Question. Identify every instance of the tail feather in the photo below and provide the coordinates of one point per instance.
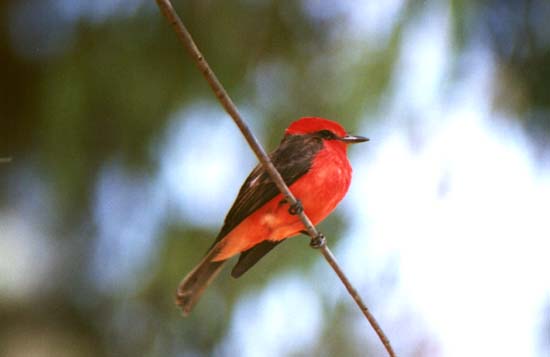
(193, 285)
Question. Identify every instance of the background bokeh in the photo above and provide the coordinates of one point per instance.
(117, 166)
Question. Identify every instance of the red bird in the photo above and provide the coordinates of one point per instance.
(312, 160)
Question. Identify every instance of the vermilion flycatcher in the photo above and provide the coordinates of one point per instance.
(312, 161)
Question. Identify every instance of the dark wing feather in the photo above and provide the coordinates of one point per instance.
(251, 257)
(293, 158)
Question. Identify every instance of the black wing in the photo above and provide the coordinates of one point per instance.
(250, 257)
(293, 158)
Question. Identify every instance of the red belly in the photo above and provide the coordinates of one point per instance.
(320, 191)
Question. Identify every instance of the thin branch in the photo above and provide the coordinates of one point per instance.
(218, 89)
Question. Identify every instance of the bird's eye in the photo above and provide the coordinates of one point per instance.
(327, 134)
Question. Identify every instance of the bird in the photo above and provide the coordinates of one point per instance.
(312, 160)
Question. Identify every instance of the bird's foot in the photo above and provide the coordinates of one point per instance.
(318, 242)
(296, 208)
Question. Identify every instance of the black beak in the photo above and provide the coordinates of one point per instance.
(353, 139)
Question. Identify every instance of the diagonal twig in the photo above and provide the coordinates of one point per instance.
(185, 38)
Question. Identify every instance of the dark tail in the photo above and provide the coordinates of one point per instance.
(193, 285)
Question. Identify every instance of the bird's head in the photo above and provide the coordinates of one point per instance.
(327, 130)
